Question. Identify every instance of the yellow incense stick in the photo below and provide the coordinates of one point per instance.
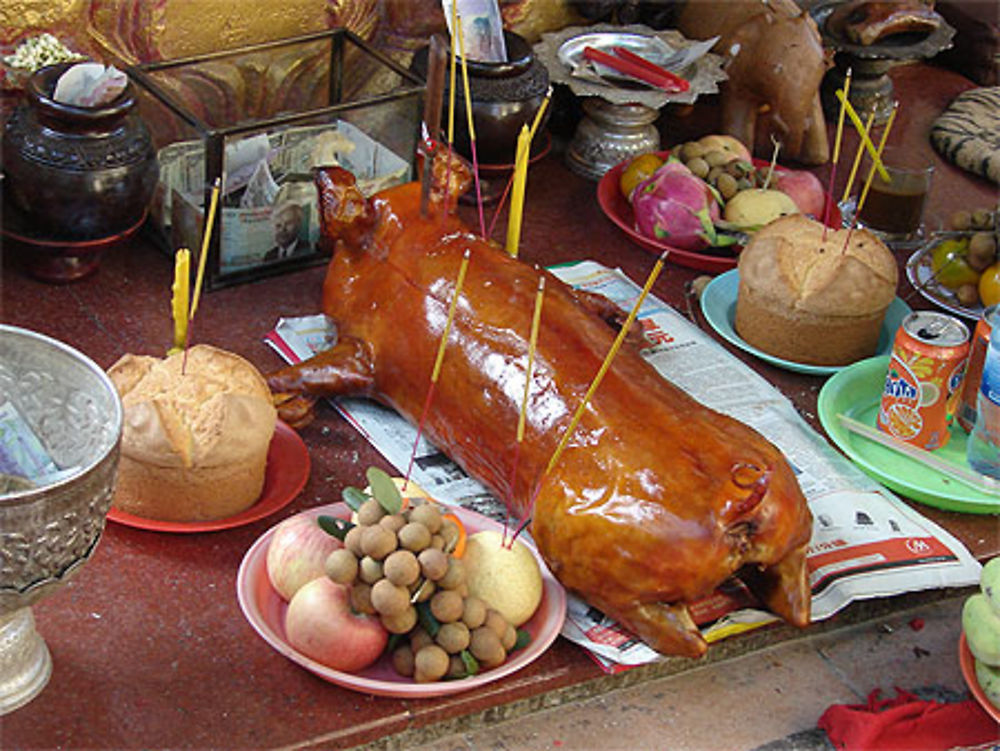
(857, 158)
(454, 60)
(180, 302)
(541, 112)
(451, 316)
(209, 221)
(465, 85)
(865, 140)
(532, 343)
(517, 191)
(607, 361)
(840, 116)
(871, 172)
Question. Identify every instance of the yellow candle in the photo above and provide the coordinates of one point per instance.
(532, 344)
(607, 361)
(840, 116)
(871, 172)
(517, 191)
(451, 317)
(541, 111)
(209, 220)
(857, 158)
(865, 140)
(181, 297)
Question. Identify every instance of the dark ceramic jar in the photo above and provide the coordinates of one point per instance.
(505, 96)
(78, 173)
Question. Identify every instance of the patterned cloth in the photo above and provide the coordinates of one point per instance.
(967, 133)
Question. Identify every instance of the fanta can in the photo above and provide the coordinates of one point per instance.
(924, 380)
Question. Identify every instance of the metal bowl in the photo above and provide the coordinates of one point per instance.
(49, 530)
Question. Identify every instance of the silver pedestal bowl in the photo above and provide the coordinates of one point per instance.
(50, 523)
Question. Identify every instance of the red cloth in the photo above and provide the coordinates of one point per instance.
(905, 723)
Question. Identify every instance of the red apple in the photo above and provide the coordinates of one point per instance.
(320, 624)
(804, 188)
(296, 554)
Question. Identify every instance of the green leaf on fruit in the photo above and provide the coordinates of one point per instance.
(384, 490)
(333, 526)
(353, 497)
(470, 662)
(523, 640)
(426, 618)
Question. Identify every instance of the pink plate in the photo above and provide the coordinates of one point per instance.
(969, 673)
(265, 610)
(619, 210)
(285, 476)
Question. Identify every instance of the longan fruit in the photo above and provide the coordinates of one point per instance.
(401, 568)
(430, 664)
(456, 667)
(453, 637)
(393, 522)
(429, 515)
(717, 158)
(727, 185)
(450, 533)
(415, 536)
(419, 638)
(714, 173)
(402, 660)
(961, 220)
(437, 542)
(370, 570)
(699, 167)
(495, 622)
(378, 542)
(968, 295)
(473, 612)
(509, 638)
(982, 250)
(433, 563)
(389, 599)
(341, 566)
(370, 512)
(691, 150)
(982, 219)
(361, 598)
(485, 646)
(352, 540)
(401, 623)
(454, 577)
(446, 605)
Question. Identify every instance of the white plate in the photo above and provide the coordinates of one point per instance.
(652, 48)
(265, 610)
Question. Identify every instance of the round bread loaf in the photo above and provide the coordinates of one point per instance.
(196, 435)
(810, 299)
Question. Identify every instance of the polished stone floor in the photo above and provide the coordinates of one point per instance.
(769, 700)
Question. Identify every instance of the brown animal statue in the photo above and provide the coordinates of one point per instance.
(776, 64)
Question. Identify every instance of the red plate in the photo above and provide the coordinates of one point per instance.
(619, 210)
(265, 610)
(969, 673)
(285, 476)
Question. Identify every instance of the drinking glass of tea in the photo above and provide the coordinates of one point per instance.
(894, 209)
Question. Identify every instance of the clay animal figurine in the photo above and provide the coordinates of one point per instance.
(656, 500)
(776, 65)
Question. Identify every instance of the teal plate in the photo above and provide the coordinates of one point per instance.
(718, 304)
(856, 391)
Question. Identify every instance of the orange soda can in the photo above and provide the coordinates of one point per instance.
(966, 413)
(924, 380)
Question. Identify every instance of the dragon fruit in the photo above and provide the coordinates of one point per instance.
(677, 207)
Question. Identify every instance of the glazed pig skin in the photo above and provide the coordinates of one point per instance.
(655, 501)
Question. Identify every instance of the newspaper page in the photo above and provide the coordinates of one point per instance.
(866, 542)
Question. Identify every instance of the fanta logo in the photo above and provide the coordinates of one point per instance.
(898, 388)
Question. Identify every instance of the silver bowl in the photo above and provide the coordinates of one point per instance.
(51, 524)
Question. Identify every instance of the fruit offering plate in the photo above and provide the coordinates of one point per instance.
(967, 662)
(920, 272)
(617, 208)
(718, 305)
(265, 610)
(856, 391)
(284, 477)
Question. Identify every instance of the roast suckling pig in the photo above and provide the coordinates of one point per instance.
(655, 501)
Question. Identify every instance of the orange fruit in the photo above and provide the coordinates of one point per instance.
(989, 285)
(636, 171)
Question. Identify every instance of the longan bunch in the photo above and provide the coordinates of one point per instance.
(400, 567)
(722, 170)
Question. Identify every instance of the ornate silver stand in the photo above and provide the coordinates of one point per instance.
(25, 663)
(610, 134)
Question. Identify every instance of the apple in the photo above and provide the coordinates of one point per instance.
(296, 554)
(729, 144)
(804, 188)
(321, 625)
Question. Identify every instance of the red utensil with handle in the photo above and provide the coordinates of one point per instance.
(638, 67)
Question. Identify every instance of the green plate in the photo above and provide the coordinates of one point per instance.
(856, 391)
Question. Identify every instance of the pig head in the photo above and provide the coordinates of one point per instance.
(776, 63)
